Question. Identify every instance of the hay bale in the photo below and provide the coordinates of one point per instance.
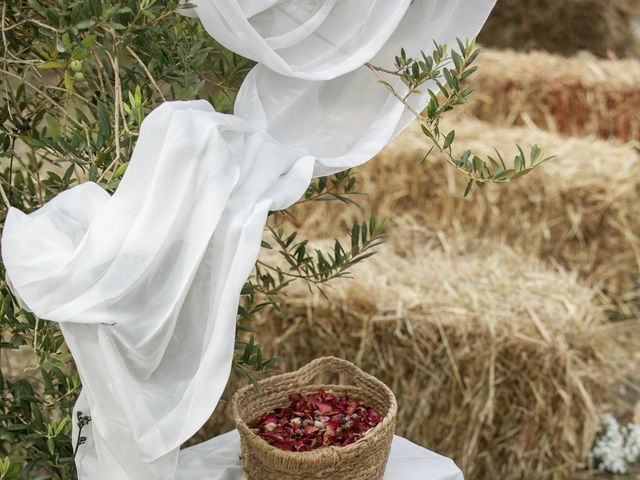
(580, 209)
(565, 26)
(496, 359)
(577, 96)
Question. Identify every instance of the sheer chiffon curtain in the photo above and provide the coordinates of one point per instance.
(145, 283)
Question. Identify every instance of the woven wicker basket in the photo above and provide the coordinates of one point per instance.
(363, 460)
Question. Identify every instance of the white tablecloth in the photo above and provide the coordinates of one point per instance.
(219, 459)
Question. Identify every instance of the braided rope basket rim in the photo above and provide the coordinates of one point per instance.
(325, 458)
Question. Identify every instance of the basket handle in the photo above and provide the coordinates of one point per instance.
(306, 374)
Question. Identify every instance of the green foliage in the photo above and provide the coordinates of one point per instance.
(450, 71)
(8, 470)
(317, 267)
(77, 79)
(340, 187)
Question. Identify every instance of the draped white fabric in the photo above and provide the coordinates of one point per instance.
(145, 283)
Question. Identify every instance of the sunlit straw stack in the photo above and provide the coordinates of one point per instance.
(496, 359)
(579, 209)
(576, 95)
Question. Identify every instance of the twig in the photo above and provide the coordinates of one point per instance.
(144, 67)
(98, 70)
(36, 330)
(4, 55)
(4, 196)
(376, 71)
(116, 111)
(13, 154)
(83, 421)
(44, 25)
(38, 90)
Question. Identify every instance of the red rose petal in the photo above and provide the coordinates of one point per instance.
(318, 419)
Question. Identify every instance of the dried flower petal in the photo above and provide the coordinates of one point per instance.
(319, 419)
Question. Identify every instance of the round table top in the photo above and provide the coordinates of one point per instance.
(219, 459)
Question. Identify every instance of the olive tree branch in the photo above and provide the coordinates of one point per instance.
(450, 70)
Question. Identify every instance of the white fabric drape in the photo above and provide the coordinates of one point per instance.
(145, 283)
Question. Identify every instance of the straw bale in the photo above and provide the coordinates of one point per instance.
(579, 209)
(496, 359)
(565, 26)
(578, 95)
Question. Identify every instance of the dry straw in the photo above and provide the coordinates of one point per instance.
(579, 210)
(565, 26)
(496, 359)
(363, 460)
(578, 95)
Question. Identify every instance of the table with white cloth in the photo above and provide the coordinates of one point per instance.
(219, 459)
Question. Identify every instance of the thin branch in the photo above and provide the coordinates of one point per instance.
(4, 56)
(116, 112)
(44, 25)
(376, 71)
(4, 196)
(98, 70)
(38, 90)
(144, 67)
